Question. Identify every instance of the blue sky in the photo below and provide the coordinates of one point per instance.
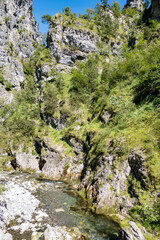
(41, 7)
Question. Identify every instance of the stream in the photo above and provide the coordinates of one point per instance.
(29, 204)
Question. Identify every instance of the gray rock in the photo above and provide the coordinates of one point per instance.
(55, 164)
(6, 97)
(137, 4)
(134, 233)
(18, 37)
(62, 233)
(137, 233)
(25, 161)
(106, 116)
(68, 44)
(106, 184)
(137, 163)
(124, 234)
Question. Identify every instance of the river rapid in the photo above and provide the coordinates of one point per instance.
(29, 204)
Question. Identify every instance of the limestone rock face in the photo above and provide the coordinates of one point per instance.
(6, 97)
(18, 37)
(134, 233)
(69, 44)
(25, 161)
(155, 9)
(107, 183)
(137, 4)
(55, 164)
(137, 164)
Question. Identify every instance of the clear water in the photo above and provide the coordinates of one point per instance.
(65, 208)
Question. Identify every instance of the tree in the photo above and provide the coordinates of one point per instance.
(105, 4)
(116, 9)
(46, 19)
(67, 11)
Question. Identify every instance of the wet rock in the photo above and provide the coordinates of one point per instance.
(62, 233)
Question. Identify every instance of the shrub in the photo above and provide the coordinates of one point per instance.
(8, 86)
(2, 79)
(67, 11)
(116, 9)
(148, 87)
(46, 18)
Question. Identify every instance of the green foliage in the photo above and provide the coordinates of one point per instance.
(148, 213)
(148, 87)
(90, 14)
(2, 80)
(7, 19)
(84, 82)
(2, 188)
(46, 18)
(50, 99)
(129, 12)
(107, 27)
(105, 4)
(67, 11)
(116, 9)
(8, 86)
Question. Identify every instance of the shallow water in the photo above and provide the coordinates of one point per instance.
(64, 208)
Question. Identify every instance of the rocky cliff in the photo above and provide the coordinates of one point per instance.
(137, 4)
(86, 125)
(69, 42)
(19, 36)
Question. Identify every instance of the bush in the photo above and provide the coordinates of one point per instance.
(2, 80)
(67, 11)
(148, 87)
(116, 9)
(8, 86)
(50, 99)
(46, 18)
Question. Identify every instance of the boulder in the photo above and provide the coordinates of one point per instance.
(62, 233)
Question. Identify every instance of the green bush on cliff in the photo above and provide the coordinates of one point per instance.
(2, 80)
(84, 82)
(148, 87)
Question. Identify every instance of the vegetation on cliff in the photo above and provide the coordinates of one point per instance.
(115, 103)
